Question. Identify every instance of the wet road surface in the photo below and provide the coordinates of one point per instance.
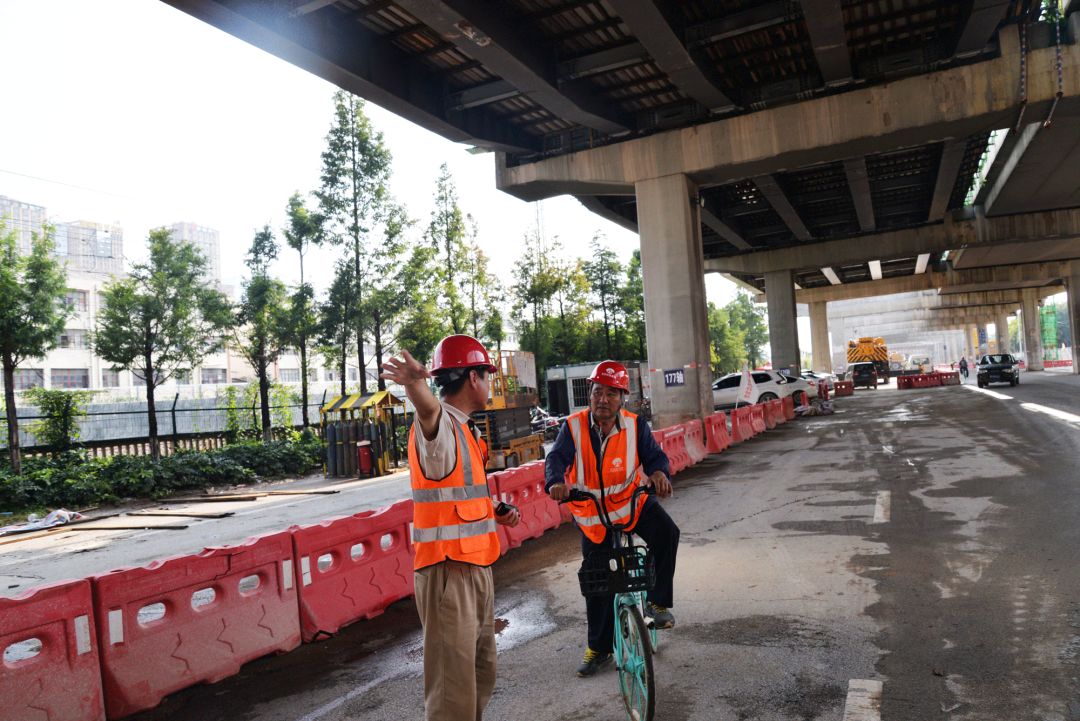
(926, 539)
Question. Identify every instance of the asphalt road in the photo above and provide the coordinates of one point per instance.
(923, 539)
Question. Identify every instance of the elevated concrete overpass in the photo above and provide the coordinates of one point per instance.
(787, 144)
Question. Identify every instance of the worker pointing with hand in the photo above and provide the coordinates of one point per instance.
(454, 524)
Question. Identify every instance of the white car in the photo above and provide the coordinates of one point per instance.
(768, 385)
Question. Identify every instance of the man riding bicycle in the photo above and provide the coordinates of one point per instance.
(607, 451)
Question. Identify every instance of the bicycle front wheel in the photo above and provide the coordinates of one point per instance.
(634, 659)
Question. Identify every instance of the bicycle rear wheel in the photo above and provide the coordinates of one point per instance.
(633, 655)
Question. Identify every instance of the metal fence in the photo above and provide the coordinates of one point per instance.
(123, 427)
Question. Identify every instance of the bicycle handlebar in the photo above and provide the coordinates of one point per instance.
(605, 520)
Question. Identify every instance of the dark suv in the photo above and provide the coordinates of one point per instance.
(997, 368)
(863, 374)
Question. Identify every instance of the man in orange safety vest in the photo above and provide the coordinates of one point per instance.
(454, 523)
(608, 451)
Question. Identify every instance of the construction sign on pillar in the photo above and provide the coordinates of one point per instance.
(746, 387)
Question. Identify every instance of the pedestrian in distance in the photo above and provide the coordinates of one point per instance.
(607, 451)
(964, 366)
(454, 526)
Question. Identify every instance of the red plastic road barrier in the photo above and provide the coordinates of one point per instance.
(524, 487)
(222, 608)
(675, 439)
(740, 422)
(351, 568)
(716, 433)
(933, 380)
(789, 408)
(695, 441)
(847, 388)
(777, 407)
(768, 414)
(757, 418)
(949, 378)
(1057, 363)
(823, 391)
(53, 673)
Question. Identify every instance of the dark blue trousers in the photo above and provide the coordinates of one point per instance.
(661, 535)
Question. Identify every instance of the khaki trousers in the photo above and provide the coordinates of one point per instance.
(456, 602)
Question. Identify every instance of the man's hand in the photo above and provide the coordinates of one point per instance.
(559, 492)
(411, 374)
(405, 370)
(661, 483)
(511, 518)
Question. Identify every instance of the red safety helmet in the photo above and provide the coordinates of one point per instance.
(611, 373)
(460, 351)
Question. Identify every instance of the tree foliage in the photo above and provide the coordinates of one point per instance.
(32, 315)
(262, 319)
(749, 320)
(61, 410)
(163, 317)
(303, 230)
(352, 194)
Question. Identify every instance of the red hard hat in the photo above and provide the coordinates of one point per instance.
(460, 351)
(612, 374)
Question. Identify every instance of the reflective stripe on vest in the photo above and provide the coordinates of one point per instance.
(453, 517)
(453, 533)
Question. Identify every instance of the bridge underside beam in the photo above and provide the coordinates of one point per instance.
(953, 103)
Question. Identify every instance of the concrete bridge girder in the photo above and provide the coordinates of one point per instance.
(995, 278)
(951, 103)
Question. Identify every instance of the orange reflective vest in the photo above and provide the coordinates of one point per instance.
(453, 517)
(620, 470)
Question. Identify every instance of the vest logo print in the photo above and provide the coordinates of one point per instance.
(617, 462)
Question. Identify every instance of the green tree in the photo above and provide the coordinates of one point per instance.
(356, 168)
(536, 280)
(749, 320)
(162, 318)
(61, 411)
(632, 304)
(446, 233)
(604, 271)
(388, 297)
(571, 334)
(727, 351)
(303, 230)
(421, 325)
(336, 324)
(262, 327)
(32, 315)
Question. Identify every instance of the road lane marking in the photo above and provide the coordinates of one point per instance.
(1052, 412)
(863, 700)
(992, 394)
(883, 507)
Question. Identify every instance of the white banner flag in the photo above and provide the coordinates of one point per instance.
(746, 388)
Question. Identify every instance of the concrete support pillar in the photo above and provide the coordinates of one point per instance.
(1073, 282)
(819, 337)
(676, 325)
(1001, 324)
(783, 331)
(970, 342)
(982, 337)
(1033, 349)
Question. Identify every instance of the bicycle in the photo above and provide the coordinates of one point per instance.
(626, 570)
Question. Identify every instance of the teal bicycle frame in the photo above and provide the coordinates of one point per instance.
(635, 639)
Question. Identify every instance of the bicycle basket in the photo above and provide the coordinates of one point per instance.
(617, 570)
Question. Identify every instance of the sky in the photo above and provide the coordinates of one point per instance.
(132, 112)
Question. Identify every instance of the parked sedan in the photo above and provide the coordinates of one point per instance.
(768, 385)
(997, 368)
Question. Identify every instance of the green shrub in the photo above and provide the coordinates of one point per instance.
(73, 480)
